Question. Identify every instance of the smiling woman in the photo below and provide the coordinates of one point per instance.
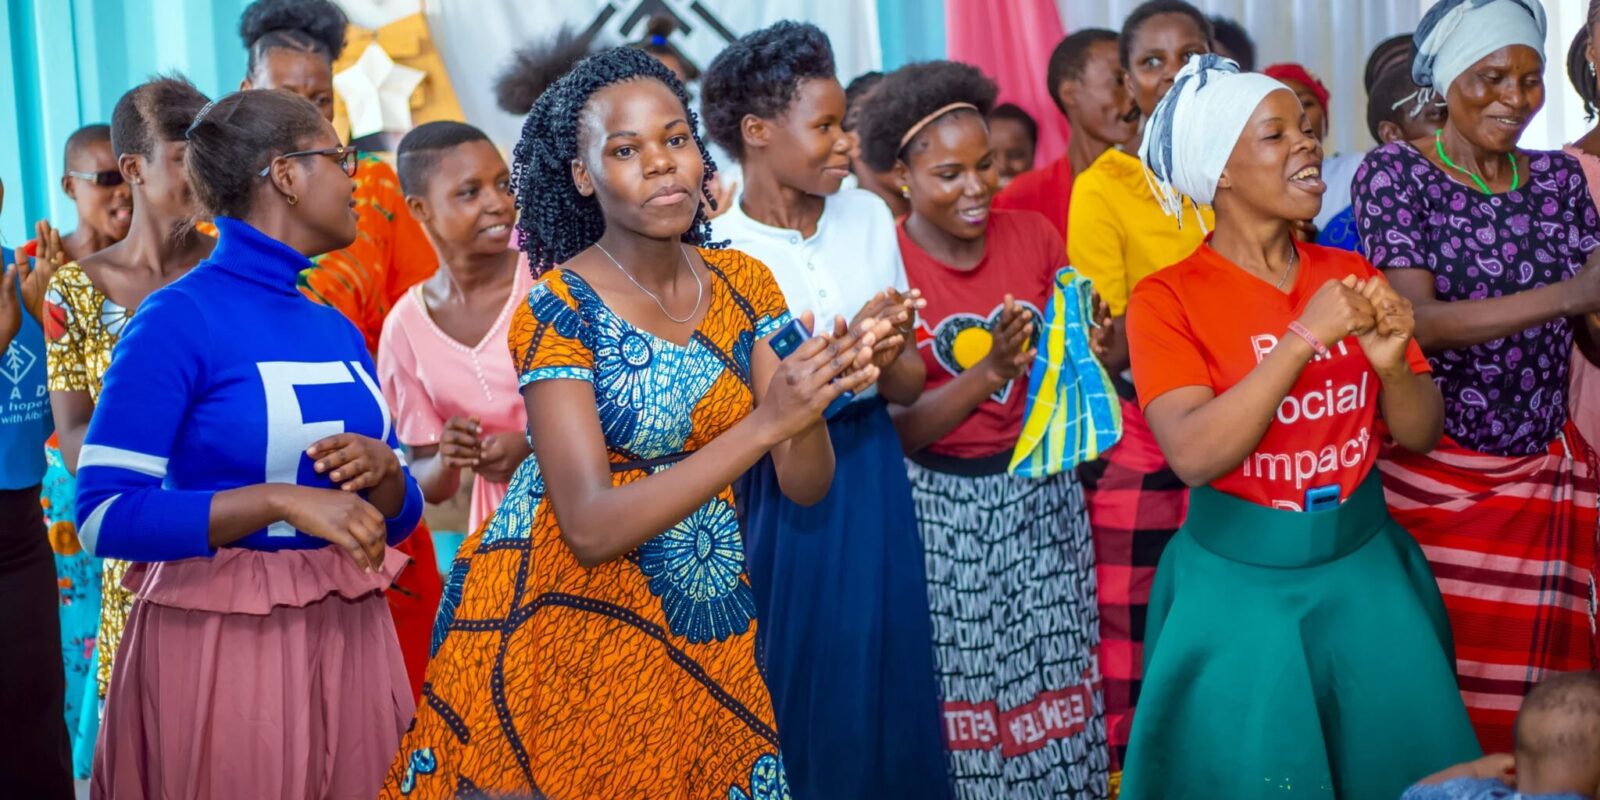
(1264, 366)
(1022, 703)
(1495, 247)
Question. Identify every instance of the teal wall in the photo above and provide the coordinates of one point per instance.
(69, 60)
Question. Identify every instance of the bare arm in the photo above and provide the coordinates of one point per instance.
(938, 412)
(803, 462)
(903, 380)
(1450, 325)
(600, 521)
(72, 410)
(438, 481)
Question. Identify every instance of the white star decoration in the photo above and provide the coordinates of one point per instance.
(377, 93)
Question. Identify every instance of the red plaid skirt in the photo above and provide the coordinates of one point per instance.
(1136, 505)
(1512, 542)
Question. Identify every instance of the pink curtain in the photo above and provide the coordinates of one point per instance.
(1011, 42)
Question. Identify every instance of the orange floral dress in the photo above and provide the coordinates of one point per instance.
(636, 678)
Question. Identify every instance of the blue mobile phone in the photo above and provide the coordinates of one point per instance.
(1322, 498)
(786, 341)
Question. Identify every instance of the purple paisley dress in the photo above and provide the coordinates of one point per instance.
(1508, 396)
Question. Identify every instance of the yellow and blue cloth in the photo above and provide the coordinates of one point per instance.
(1073, 414)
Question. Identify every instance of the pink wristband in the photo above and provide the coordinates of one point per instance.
(1305, 333)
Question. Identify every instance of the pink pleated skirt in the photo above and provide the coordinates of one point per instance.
(255, 674)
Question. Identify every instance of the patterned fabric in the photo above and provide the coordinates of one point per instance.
(78, 577)
(1478, 789)
(81, 326)
(390, 255)
(637, 677)
(1012, 593)
(1507, 396)
(1072, 414)
(1512, 543)
(1136, 505)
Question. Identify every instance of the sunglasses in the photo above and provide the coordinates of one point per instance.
(110, 177)
(344, 154)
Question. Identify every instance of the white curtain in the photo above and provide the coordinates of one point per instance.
(1332, 39)
(477, 37)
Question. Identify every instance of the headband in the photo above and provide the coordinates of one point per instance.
(198, 118)
(915, 129)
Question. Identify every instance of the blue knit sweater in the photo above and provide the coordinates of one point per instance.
(222, 380)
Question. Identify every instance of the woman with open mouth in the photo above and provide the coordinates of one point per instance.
(1290, 604)
(1491, 243)
(1010, 567)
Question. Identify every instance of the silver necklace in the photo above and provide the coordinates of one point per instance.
(700, 287)
(1294, 261)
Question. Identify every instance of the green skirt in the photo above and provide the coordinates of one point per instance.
(1293, 654)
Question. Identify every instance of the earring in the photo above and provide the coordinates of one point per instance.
(905, 191)
(1591, 68)
(292, 199)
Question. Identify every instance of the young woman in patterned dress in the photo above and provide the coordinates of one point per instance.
(90, 301)
(597, 636)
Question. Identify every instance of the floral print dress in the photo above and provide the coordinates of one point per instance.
(637, 677)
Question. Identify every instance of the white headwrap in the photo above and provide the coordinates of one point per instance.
(1456, 33)
(1194, 128)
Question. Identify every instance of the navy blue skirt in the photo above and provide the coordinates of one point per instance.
(844, 638)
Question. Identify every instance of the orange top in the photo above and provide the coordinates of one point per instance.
(390, 255)
(1227, 322)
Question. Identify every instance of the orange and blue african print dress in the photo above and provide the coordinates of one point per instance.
(636, 678)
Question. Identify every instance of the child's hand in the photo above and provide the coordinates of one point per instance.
(1497, 765)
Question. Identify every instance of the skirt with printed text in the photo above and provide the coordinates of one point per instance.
(1011, 591)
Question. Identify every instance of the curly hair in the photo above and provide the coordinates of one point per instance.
(533, 68)
(853, 95)
(305, 26)
(760, 74)
(158, 110)
(1155, 8)
(1579, 70)
(912, 92)
(556, 222)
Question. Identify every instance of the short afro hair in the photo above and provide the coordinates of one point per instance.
(555, 221)
(421, 149)
(84, 137)
(535, 67)
(1069, 58)
(158, 110)
(853, 93)
(305, 26)
(760, 74)
(1560, 720)
(1155, 8)
(912, 92)
(1230, 34)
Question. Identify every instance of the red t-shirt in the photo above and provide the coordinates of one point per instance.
(1047, 190)
(1021, 257)
(1227, 322)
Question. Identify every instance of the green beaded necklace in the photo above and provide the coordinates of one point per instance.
(1438, 146)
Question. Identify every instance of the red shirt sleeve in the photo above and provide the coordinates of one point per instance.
(1161, 345)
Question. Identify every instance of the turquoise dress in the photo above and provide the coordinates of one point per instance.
(78, 577)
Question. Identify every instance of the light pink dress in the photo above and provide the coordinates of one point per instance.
(429, 377)
(1584, 395)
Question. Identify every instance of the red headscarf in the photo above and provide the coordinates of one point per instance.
(1290, 71)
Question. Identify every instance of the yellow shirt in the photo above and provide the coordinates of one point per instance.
(1117, 235)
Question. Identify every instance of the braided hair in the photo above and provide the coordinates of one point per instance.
(1578, 66)
(555, 221)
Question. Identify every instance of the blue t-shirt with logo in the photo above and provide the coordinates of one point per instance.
(25, 421)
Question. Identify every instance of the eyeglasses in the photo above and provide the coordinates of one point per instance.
(344, 154)
(110, 177)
